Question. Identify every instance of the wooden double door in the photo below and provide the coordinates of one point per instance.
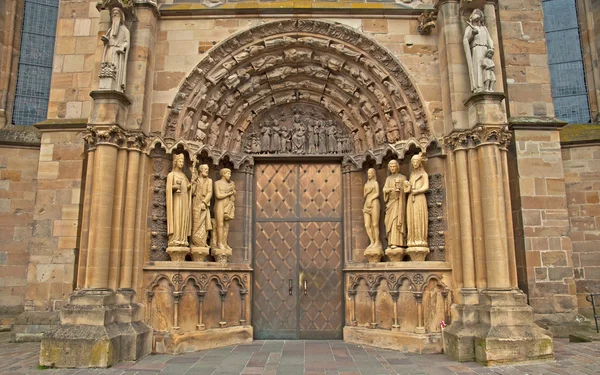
(298, 287)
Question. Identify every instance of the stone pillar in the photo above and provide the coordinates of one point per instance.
(113, 213)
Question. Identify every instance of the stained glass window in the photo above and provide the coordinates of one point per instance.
(569, 92)
(35, 61)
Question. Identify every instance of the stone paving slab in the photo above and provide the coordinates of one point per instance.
(305, 358)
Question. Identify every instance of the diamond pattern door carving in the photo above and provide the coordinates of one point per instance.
(298, 252)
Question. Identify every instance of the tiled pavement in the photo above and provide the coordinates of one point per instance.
(306, 357)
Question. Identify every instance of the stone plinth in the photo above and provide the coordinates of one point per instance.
(486, 108)
(177, 343)
(429, 343)
(110, 108)
(498, 330)
(98, 329)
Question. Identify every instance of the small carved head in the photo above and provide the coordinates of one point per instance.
(477, 17)
(393, 166)
(226, 173)
(203, 170)
(117, 12)
(178, 161)
(371, 173)
(417, 161)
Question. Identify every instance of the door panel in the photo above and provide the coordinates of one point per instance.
(298, 238)
(275, 310)
(321, 307)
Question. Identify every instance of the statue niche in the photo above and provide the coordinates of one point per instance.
(299, 129)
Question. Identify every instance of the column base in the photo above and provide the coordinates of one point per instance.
(95, 331)
(498, 330)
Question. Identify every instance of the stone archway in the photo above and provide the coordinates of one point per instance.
(303, 62)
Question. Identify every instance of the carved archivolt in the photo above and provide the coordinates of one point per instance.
(249, 76)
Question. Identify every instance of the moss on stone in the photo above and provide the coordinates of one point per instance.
(580, 133)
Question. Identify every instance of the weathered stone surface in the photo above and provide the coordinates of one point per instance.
(402, 341)
(177, 343)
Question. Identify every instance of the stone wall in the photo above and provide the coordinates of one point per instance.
(525, 58)
(18, 171)
(182, 44)
(582, 177)
(540, 215)
(56, 218)
(75, 57)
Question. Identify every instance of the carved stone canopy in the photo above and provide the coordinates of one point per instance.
(305, 62)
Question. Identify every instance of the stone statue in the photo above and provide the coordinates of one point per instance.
(226, 138)
(202, 191)
(275, 137)
(357, 141)
(224, 212)
(298, 140)
(116, 50)
(186, 125)
(214, 133)
(393, 132)
(237, 142)
(369, 137)
(322, 138)
(417, 220)
(395, 197)
(331, 138)
(406, 125)
(201, 130)
(266, 138)
(476, 42)
(178, 210)
(371, 212)
(489, 77)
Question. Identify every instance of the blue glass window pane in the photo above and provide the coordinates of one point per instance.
(569, 91)
(573, 109)
(559, 15)
(35, 61)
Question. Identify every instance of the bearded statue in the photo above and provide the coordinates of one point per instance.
(116, 49)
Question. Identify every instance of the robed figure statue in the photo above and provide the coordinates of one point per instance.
(116, 50)
(202, 191)
(417, 217)
(476, 43)
(395, 197)
(224, 212)
(178, 210)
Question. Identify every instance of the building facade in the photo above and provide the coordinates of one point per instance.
(202, 173)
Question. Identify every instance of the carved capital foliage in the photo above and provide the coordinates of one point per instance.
(480, 135)
(237, 87)
(114, 136)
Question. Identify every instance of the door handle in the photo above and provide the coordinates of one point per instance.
(291, 287)
(304, 287)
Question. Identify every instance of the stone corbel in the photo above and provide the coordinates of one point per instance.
(426, 23)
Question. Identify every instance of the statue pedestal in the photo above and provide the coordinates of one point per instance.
(110, 108)
(199, 253)
(178, 253)
(395, 254)
(221, 255)
(486, 108)
(374, 254)
(417, 253)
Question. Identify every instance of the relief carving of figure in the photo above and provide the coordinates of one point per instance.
(477, 42)
(369, 137)
(312, 139)
(200, 130)
(202, 190)
(322, 138)
(379, 131)
(237, 142)
(393, 132)
(371, 212)
(395, 198)
(224, 208)
(406, 125)
(178, 204)
(186, 125)
(357, 141)
(298, 140)
(214, 133)
(275, 138)
(226, 138)
(331, 139)
(266, 138)
(116, 50)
